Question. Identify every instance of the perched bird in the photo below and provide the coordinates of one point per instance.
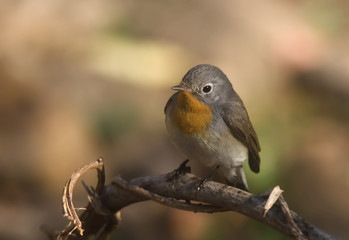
(207, 120)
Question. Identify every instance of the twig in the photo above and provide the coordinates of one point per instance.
(69, 210)
(276, 195)
(67, 200)
(297, 233)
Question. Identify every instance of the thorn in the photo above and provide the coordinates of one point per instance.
(273, 197)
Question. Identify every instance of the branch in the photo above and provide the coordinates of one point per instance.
(176, 189)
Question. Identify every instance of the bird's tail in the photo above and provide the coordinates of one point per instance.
(236, 177)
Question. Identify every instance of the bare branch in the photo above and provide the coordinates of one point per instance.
(296, 232)
(169, 202)
(177, 189)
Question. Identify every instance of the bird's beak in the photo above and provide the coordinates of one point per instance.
(180, 87)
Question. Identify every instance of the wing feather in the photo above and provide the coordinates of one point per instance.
(236, 117)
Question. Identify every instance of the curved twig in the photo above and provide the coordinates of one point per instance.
(67, 199)
(69, 210)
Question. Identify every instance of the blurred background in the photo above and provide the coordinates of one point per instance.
(86, 79)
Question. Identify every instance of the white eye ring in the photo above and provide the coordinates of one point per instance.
(207, 88)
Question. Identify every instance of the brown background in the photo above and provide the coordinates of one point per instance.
(84, 79)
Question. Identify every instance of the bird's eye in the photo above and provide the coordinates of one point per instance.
(207, 89)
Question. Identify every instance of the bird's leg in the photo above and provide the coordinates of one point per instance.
(205, 179)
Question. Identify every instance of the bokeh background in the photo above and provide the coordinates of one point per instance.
(85, 79)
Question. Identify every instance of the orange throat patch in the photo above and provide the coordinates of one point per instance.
(190, 115)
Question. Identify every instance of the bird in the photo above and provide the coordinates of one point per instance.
(207, 120)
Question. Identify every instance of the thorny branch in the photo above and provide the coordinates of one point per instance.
(176, 189)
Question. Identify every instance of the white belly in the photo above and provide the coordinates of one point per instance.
(217, 148)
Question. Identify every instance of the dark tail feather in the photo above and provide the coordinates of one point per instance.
(254, 161)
